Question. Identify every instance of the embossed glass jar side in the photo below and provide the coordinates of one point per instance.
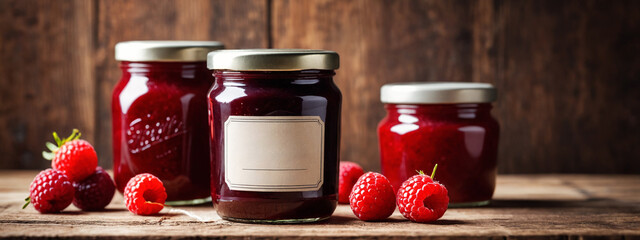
(159, 113)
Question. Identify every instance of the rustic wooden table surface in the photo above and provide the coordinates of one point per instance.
(525, 206)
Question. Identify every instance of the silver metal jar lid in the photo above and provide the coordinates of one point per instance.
(437, 92)
(273, 60)
(165, 51)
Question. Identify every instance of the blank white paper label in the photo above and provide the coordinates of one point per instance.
(274, 153)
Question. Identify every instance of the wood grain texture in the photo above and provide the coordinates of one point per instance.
(525, 206)
(238, 24)
(379, 42)
(567, 72)
(569, 78)
(46, 77)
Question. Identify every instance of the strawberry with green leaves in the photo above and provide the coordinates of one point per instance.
(73, 156)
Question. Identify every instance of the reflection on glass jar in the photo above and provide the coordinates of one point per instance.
(275, 123)
(448, 124)
(159, 112)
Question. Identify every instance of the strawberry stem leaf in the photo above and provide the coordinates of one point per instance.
(48, 155)
(433, 174)
(52, 147)
(27, 200)
(57, 139)
(75, 135)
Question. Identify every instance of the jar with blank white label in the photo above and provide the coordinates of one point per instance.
(274, 116)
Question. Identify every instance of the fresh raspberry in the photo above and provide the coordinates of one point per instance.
(420, 199)
(51, 191)
(144, 194)
(75, 157)
(372, 197)
(94, 192)
(349, 174)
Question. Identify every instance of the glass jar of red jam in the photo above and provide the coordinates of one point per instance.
(448, 124)
(275, 134)
(159, 111)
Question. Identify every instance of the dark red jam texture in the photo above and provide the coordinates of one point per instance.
(461, 138)
(298, 93)
(160, 126)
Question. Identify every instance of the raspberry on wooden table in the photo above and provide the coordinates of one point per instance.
(51, 191)
(421, 199)
(145, 194)
(349, 174)
(372, 197)
(94, 192)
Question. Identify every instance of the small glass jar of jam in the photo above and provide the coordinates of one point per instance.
(448, 124)
(159, 111)
(275, 134)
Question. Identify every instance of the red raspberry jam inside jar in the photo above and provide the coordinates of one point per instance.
(159, 111)
(275, 125)
(448, 124)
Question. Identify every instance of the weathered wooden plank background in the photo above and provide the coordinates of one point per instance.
(568, 72)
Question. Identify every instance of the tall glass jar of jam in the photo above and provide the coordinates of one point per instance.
(448, 124)
(159, 111)
(275, 125)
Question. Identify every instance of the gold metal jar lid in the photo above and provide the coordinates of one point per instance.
(165, 51)
(437, 93)
(273, 60)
